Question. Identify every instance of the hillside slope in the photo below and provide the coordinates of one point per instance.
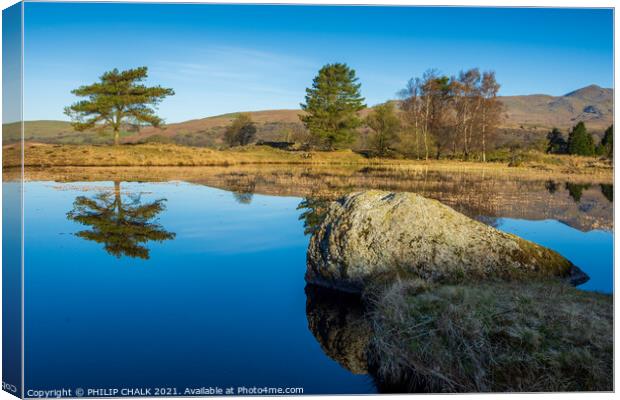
(591, 104)
(526, 118)
(271, 125)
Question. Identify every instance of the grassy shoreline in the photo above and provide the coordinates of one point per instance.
(493, 337)
(168, 155)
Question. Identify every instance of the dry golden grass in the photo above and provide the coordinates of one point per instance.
(493, 337)
(170, 155)
(523, 193)
(148, 155)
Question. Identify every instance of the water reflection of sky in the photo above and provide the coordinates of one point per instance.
(591, 251)
(214, 221)
(221, 303)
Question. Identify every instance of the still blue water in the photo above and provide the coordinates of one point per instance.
(220, 304)
(591, 251)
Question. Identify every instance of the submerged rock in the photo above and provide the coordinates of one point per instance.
(375, 236)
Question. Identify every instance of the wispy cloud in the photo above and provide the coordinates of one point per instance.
(233, 78)
(238, 65)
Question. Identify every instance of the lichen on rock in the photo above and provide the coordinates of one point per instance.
(375, 236)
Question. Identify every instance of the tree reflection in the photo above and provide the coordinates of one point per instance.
(242, 190)
(243, 197)
(608, 191)
(551, 186)
(575, 190)
(122, 227)
(314, 214)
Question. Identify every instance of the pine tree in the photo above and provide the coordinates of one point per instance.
(118, 98)
(580, 141)
(607, 143)
(332, 104)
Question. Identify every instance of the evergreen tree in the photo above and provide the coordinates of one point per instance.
(386, 125)
(607, 143)
(332, 104)
(580, 141)
(118, 98)
(556, 142)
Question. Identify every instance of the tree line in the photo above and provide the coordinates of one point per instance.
(437, 115)
(580, 142)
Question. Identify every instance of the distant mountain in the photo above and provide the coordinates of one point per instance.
(591, 104)
(526, 119)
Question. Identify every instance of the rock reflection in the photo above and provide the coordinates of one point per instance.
(338, 322)
(341, 325)
(123, 226)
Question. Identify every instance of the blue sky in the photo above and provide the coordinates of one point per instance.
(223, 58)
(11, 63)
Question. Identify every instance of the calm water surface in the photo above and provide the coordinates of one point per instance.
(198, 287)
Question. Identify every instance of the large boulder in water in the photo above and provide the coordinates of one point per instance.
(375, 236)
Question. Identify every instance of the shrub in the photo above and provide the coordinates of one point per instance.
(157, 139)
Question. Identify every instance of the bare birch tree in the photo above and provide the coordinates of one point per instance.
(452, 112)
(411, 107)
(490, 109)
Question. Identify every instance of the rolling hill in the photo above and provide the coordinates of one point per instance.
(527, 118)
(591, 104)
